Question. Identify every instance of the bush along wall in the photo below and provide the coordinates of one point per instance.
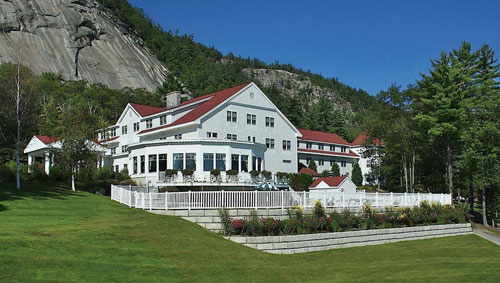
(319, 221)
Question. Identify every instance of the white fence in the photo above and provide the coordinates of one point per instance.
(265, 199)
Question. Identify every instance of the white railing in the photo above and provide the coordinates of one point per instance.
(265, 199)
(206, 177)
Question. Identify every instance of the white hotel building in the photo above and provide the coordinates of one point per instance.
(237, 128)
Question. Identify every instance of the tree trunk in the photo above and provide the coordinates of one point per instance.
(73, 181)
(405, 170)
(485, 219)
(471, 194)
(18, 119)
(412, 177)
(450, 173)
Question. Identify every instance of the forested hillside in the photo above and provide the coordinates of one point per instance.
(203, 69)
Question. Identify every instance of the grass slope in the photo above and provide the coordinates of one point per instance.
(48, 233)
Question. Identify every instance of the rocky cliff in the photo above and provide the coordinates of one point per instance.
(78, 39)
(292, 84)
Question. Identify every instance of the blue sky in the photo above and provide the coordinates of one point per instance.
(365, 44)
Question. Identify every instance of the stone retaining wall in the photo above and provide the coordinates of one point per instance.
(326, 241)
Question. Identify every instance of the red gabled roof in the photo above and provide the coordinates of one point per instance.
(146, 110)
(363, 138)
(322, 137)
(216, 98)
(308, 171)
(330, 181)
(47, 139)
(333, 153)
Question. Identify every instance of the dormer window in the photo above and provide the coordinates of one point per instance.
(149, 124)
(163, 120)
(136, 126)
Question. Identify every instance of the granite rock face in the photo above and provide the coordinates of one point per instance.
(293, 85)
(78, 39)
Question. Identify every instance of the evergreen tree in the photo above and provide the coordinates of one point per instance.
(312, 165)
(335, 170)
(357, 176)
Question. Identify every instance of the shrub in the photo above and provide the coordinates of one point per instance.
(311, 223)
(227, 226)
(168, 189)
(55, 173)
(38, 174)
(318, 210)
(215, 172)
(238, 225)
(105, 173)
(232, 172)
(6, 175)
(266, 174)
(254, 173)
(253, 225)
(368, 218)
(312, 165)
(298, 212)
(282, 175)
(300, 182)
(170, 172)
(348, 220)
(269, 226)
(187, 172)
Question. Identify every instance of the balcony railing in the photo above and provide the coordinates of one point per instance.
(223, 178)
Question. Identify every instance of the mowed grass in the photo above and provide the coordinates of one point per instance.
(48, 233)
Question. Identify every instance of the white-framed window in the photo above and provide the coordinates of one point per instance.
(308, 145)
(332, 162)
(287, 145)
(113, 150)
(343, 149)
(124, 148)
(308, 160)
(232, 116)
(178, 136)
(287, 161)
(163, 119)
(232, 137)
(212, 135)
(113, 132)
(136, 127)
(149, 123)
(270, 122)
(321, 161)
(124, 130)
(343, 163)
(332, 148)
(321, 146)
(251, 119)
(270, 143)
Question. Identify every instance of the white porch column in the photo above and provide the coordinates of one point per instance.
(47, 163)
(30, 162)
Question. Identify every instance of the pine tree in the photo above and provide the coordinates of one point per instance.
(335, 170)
(312, 165)
(357, 176)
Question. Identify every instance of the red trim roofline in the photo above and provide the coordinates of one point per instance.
(215, 100)
(333, 182)
(47, 139)
(331, 153)
(317, 136)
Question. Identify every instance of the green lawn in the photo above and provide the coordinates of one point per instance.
(48, 233)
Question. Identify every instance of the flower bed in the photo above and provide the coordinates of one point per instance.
(320, 221)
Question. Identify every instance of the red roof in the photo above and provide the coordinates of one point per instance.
(362, 139)
(216, 98)
(308, 171)
(47, 139)
(322, 137)
(330, 181)
(333, 153)
(146, 110)
(107, 140)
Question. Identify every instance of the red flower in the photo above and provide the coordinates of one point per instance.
(238, 223)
